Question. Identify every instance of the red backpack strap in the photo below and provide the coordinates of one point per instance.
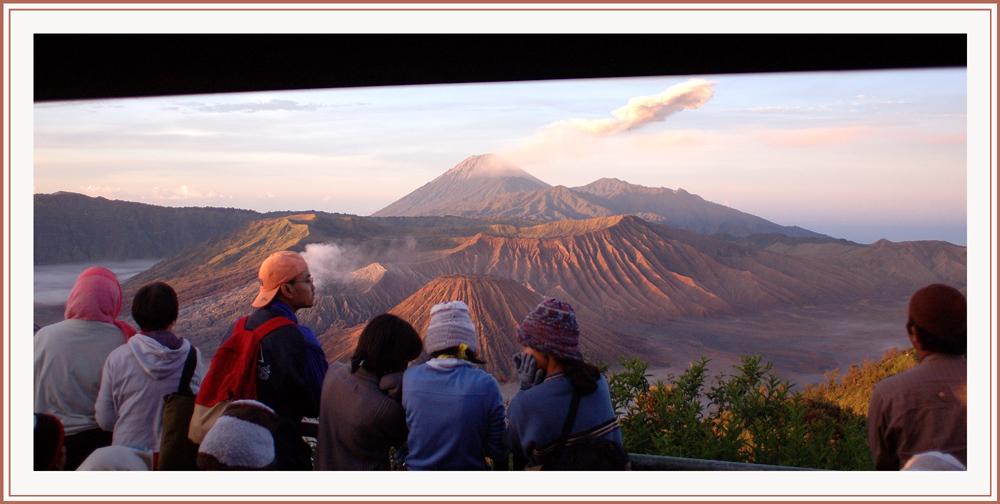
(250, 390)
(240, 325)
(233, 372)
(265, 328)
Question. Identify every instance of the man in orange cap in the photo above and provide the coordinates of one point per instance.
(291, 363)
(924, 408)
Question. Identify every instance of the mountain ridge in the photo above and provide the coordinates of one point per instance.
(514, 193)
(625, 276)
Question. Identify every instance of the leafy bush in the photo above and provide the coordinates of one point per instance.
(750, 416)
(851, 391)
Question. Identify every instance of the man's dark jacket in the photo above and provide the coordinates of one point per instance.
(290, 369)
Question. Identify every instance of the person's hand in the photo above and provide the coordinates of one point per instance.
(392, 385)
(527, 370)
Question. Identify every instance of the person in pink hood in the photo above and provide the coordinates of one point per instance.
(70, 355)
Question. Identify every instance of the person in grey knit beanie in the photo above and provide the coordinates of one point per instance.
(242, 439)
(454, 411)
(450, 326)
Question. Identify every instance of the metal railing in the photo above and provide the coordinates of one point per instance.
(641, 462)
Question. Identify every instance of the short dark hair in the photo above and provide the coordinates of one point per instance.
(155, 307)
(954, 344)
(386, 345)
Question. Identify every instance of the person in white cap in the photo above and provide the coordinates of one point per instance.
(118, 458)
(241, 439)
(933, 461)
(454, 412)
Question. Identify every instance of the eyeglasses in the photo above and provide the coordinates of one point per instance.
(310, 280)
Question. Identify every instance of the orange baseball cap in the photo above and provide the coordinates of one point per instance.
(278, 268)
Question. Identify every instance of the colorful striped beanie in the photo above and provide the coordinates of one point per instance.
(551, 329)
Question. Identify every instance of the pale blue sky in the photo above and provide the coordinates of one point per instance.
(859, 155)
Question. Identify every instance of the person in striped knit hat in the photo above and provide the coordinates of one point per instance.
(553, 377)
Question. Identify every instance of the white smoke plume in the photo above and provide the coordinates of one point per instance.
(642, 110)
(331, 264)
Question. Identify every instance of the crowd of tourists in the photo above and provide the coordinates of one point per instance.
(109, 397)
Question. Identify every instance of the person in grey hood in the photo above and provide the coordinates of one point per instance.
(139, 373)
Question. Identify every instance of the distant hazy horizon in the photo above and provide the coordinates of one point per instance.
(860, 155)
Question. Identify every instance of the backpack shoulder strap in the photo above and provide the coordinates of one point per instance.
(265, 328)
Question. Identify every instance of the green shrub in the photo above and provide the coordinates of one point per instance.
(749, 416)
(851, 391)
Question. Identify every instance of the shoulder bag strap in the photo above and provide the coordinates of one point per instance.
(559, 443)
(598, 430)
(184, 387)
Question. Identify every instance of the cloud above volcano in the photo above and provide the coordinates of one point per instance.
(640, 110)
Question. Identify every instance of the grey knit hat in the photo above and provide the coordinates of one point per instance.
(933, 461)
(242, 439)
(450, 326)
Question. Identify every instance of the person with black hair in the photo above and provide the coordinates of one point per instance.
(50, 453)
(924, 408)
(138, 374)
(562, 398)
(360, 415)
(454, 412)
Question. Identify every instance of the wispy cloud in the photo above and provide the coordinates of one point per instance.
(184, 133)
(774, 109)
(811, 137)
(251, 107)
(642, 110)
(672, 139)
(105, 191)
(945, 139)
(185, 192)
(583, 138)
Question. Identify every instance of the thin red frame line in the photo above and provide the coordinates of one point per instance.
(992, 278)
(10, 223)
(515, 496)
(567, 2)
(457, 9)
(9, 206)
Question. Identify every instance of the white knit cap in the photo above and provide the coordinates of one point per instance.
(118, 458)
(450, 326)
(242, 439)
(933, 461)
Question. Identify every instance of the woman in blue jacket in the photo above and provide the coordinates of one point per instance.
(454, 411)
(553, 377)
